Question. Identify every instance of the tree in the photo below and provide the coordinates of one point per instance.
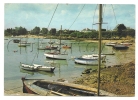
(36, 30)
(44, 30)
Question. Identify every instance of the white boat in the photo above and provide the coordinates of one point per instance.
(86, 61)
(89, 59)
(56, 55)
(111, 44)
(28, 67)
(126, 43)
(93, 56)
(44, 68)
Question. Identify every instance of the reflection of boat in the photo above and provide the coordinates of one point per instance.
(120, 47)
(46, 73)
(44, 68)
(57, 88)
(26, 71)
(28, 67)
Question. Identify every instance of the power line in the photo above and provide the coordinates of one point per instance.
(77, 16)
(52, 16)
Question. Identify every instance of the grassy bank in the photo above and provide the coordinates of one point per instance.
(119, 80)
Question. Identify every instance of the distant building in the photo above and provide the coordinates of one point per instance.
(86, 30)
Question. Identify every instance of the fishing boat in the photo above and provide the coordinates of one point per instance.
(56, 88)
(28, 67)
(120, 47)
(44, 68)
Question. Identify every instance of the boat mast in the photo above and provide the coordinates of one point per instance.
(60, 38)
(99, 46)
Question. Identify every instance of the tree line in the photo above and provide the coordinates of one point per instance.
(70, 34)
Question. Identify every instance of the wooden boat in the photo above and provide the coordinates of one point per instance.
(44, 68)
(56, 88)
(28, 67)
(120, 47)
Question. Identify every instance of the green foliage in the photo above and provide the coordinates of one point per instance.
(16, 31)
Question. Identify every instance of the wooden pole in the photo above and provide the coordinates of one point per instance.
(99, 46)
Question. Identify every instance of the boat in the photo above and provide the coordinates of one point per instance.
(66, 47)
(16, 41)
(25, 43)
(120, 47)
(55, 88)
(83, 61)
(111, 44)
(57, 53)
(22, 45)
(89, 59)
(28, 67)
(126, 43)
(51, 47)
(44, 68)
(93, 56)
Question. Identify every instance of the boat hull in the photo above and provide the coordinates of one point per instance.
(86, 61)
(44, 68)
(57, 88)
(56, 56)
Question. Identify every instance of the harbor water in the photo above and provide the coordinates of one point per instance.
(67, 69)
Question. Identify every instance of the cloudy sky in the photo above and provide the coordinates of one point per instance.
(71, 16)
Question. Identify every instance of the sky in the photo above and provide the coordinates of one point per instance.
(72, 16)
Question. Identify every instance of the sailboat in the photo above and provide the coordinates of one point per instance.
(57, 53)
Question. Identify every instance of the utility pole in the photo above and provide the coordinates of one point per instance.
(99, 46)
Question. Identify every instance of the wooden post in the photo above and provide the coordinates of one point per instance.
(99, 46)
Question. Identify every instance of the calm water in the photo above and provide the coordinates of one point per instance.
(64, 68)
